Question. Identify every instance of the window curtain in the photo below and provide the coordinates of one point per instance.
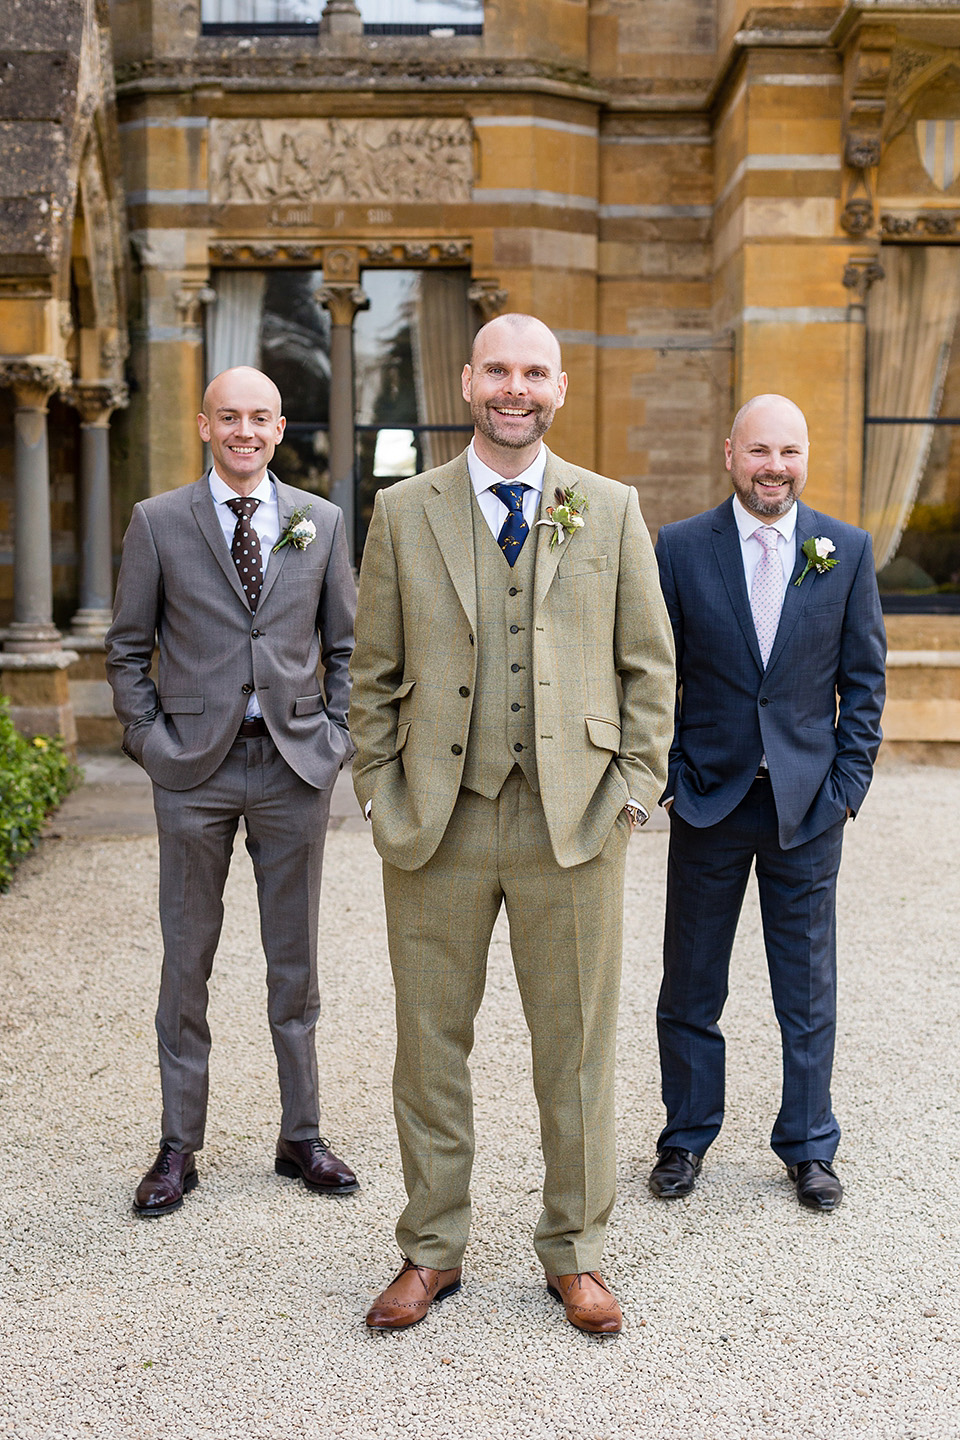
(442, 338)
(911, 319)
(233, 323)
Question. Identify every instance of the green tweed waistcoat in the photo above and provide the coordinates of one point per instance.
(503, 717)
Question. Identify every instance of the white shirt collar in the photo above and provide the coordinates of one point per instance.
(747, 523)
(482, 477)
(222, 492)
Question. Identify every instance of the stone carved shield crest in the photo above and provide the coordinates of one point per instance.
(938, 142)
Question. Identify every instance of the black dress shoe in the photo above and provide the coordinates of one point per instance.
(172, 1175)
(674, 1173)
(313, 1162)
(817, 1185)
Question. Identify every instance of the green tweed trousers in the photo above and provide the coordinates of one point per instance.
(566, 929)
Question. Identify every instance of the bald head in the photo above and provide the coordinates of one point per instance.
(773, 406)
(241, 422)
(516, 326)
(767, 455)
(241, 379)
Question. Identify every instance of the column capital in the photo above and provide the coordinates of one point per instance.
(343, 301)
(96, 400)
(34, 378)
(489, 299)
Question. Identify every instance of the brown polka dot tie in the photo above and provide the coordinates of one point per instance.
(245, 549)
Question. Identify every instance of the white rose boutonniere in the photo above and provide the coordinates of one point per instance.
(818, 550)
(300, 531)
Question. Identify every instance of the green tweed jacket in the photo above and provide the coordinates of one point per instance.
(599, 619)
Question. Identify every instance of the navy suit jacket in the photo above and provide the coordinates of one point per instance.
(814, 712)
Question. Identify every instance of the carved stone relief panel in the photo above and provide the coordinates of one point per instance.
(391, 161)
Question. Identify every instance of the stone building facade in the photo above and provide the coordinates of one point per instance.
(704, 198)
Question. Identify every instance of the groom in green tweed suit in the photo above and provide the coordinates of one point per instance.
(503, 596)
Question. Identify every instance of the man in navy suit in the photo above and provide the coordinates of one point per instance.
(780, 690)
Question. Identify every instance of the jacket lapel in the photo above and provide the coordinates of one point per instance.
(205, 514)
(726, 547)
(556, 473)
(273, 563)
(450, 516)
(796, 597)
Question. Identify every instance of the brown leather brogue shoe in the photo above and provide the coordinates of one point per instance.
(588, 1302)
(313, 1162)
(172, 1175)
(409, 1296)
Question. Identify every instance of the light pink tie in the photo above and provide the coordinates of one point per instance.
(766, 592)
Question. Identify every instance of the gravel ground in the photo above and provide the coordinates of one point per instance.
(242, 1314)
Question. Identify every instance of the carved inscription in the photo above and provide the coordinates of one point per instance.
(378, 162)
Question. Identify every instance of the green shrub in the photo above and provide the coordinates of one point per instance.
(35, 775)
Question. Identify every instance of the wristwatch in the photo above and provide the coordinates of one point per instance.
(636, 812)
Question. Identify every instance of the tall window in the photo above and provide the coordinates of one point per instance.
(911, 501)
(380, 17)
(409, 348)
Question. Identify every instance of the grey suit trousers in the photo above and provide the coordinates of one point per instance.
(286, 824)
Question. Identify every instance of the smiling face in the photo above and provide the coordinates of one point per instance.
(514, 387)
(242, 424)
(767, 455)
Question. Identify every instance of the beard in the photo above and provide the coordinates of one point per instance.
(515, 437)
(757, 503)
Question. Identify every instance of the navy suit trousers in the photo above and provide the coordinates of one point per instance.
(706, 879)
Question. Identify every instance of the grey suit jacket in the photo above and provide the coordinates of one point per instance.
(179, 593)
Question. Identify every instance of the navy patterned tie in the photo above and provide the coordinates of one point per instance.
(245, 549)
(514, 530)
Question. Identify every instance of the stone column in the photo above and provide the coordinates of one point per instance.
(343, 299)
(341, 17)
(95, 400)
(33, 380)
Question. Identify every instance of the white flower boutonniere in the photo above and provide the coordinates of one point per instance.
(566, 516)
(818, 550)
(300, 532)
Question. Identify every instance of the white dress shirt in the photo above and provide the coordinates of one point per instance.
(266, 522)
(492, 507)
(751, 549)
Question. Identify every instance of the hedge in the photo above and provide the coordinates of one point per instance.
(35, 775)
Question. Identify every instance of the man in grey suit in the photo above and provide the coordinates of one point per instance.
(780, 668)
(244, 587)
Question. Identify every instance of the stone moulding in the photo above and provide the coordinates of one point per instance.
(339, 160)
(371, 252)
(921, 225)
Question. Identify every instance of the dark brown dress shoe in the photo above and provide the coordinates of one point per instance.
(817, 1184)
(674, 1173)
(172, 1175)
(313, 1162)
(589, 1304)
(409, 1296)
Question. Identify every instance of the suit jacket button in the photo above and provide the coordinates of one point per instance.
(514, 668)
(464, 691)
(513, 590)
(456, 749)
(518, 746)
(764, 701)
(471, 639)
(245, 689)
(255, 634)
(514, 629)
(514, 706)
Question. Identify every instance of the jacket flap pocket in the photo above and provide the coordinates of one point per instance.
(605, 734)
(308, 705)
(403, 730)
(181, 704)
(581, 565)
(403, 691)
